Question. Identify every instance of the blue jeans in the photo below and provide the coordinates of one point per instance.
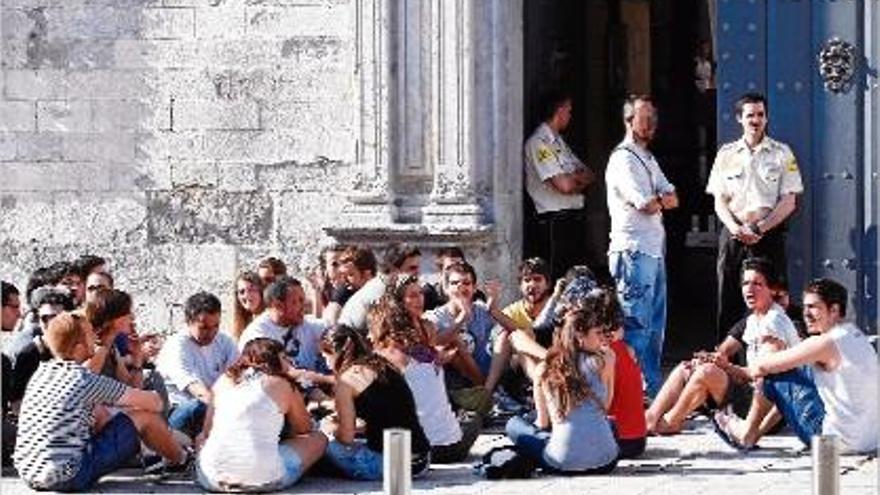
(528, 438)
(293, 471)
(188, 417)
(110, 449)
(641, 289)
(795, 394)
(356, 461)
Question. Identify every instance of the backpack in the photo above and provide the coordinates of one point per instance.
(506, 463)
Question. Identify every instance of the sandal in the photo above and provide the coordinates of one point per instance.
(721, 425)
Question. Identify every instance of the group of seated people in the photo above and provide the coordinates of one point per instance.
(312, 371)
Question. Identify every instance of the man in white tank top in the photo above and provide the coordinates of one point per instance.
(844, 367)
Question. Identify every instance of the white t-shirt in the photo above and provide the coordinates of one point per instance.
(775, 323)
(633, 178)
(850, 392)
(425, 380)
(546, 155)
(183, 362)
(354, 312)
(301, 344)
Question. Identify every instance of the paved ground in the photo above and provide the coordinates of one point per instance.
(695, 462)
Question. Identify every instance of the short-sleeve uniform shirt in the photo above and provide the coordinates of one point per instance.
(546, 156)
(183, 362)
(753, 180)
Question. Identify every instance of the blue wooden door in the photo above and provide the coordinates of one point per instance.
(797, 52)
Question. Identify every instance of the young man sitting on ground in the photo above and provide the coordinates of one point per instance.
(710, 375)
(839, 360)
(67, 438)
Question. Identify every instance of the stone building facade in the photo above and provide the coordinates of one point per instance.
(186, 139)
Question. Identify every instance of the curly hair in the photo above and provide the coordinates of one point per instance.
(390, 322)
(562, 378)
(261, 354)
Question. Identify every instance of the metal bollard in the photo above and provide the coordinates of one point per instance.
(826, 465)
(397, 462)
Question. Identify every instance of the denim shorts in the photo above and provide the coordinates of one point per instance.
(293, 471)
(110, 449)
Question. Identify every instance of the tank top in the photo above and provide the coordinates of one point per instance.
(627, 405)
(583, 439)
(849, 392)
(388, 403)
(242, 447)
(425, 380)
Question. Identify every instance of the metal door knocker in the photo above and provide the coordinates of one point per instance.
(837, 65)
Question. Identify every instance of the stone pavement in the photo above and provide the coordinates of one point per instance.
(695, 462)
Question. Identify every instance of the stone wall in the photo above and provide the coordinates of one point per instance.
(185, 139)
(180, 138)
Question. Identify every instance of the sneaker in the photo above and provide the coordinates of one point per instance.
(161, 467)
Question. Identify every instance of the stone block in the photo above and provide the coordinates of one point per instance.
(87, 54)
(141, 176)
(26, 218)
(182, 84)
(7, 146)
(199, 216)
(251, 146)
(220, 21)
(129, 116)
(64, 116)
(17, 116)
(54, 177)
(155, 53)
(170, 145)
(322, 175)
(209, 114)
(49, 84)
(37, 147)
(193, 174)
(311, 116)
(168, 23)
(237, 177)
(299, 222)
(230, 84)
(99, 218)
(113, 84)
(300, 20)
(114, 147)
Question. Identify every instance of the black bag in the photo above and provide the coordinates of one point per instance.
(506, 463)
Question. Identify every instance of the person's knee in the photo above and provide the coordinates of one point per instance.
(710, 376)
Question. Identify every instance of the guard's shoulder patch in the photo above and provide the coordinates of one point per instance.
(792, 165)
(545, 153)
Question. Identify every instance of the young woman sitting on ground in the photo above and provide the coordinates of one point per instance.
(252, 401)
(368, 387)
(571, 433)
(400, 338)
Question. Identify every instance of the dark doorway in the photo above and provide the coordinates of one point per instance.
(602, 50)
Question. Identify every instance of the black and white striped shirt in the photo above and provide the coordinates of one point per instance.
(56, 420)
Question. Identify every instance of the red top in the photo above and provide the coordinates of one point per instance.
(627, 406)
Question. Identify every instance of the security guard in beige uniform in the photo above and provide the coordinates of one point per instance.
(555, 180)
(755, 181)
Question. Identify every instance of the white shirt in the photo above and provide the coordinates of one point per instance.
(849, 392)
(301, 344)
(183, 362)
(754, 179)
(354, 312)
(774, 323)
(546, 155)
(633, 178)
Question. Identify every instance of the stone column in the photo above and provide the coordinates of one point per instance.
(371, 194)
(453, 90)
